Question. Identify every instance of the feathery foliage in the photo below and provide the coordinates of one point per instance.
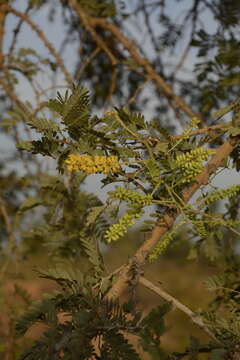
(147, 133)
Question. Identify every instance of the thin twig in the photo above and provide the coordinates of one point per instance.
(43, 91)
(153, 39)
(168, 219)
(205, 130)
(6, 219)
(12, 95)
(87, 24)
(197, 319)
(10, 234)
(87, 62)
(112, 86)
(16, 32)
(44, 39)
(136, 92)
(176, 101)
(2, 31)
(91, 23)
(26, 114)
(194, 14)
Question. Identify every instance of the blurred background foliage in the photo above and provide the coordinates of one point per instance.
(194, 47)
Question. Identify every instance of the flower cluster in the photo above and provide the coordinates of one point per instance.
(134, 198)
(200, 228)
(191, 163)
(162, 245)
(193, 124)
(165, 241)
(92, 164)
(110, 113)
(118, 230)
(225, 222)
(199, 224)
(221, 194)
(154, 171)
(137, 201)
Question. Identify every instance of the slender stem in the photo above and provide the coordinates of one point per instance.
(197, 319)
(169, 217)
(87, 62)
(86, 22)
(205, 130)
(91, 23)
(11, 237)
(44, 39)
(2, 32)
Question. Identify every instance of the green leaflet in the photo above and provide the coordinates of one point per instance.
(45, 146)
(234, 131)
(215, 282)
(220, 113)
(25, 145)
(30, 203)
(92, 252)
(211, 248)
(103, 8)
(44, 307)
(218, 354)
(154, 171)
(76, 107)
(222, 194)
(15, 116)
(154, 327)
(55, 105)
(74, 110)
(44, 126)
(93, 214)
(136, 119)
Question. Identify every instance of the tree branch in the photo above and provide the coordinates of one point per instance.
(167, 221)
(16, 32)
(91, 22)
(207, 130)
(177, 102)
(197, 319)
(87, 24)
(87, 62)
(2, 24)
(26, 116)
(12, 245)
(14, 98)
(41, 35)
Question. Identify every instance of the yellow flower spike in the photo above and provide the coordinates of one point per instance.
(92, 164)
